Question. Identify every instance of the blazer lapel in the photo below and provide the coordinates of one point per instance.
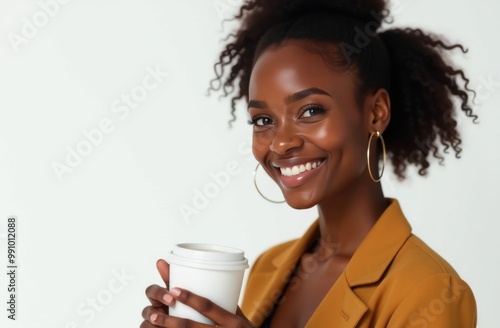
(271, 283)
(379, 247)
(342, 307)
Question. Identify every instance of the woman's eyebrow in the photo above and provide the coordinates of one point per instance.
(257, 104)
(290, 99)
(305, 93)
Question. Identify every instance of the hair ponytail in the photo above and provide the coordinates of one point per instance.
(258, 17)
(423, 85)
(412, 65)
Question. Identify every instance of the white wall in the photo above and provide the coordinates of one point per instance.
(118, 210)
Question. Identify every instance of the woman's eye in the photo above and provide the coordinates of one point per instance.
(312, 111)
(261, 121)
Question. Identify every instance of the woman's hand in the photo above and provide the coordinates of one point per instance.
(156, 315)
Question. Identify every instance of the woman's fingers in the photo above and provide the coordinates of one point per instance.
(164, 270)
(147, 324)
(209, 309)
(148, 314)
(154, 318)
(159, 296)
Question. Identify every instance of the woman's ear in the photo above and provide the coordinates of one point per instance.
(378, 110)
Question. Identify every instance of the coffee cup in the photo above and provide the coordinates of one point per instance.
(211, 271)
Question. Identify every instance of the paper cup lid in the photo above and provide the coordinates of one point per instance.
(207, 256)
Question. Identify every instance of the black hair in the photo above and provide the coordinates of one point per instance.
(410, 64)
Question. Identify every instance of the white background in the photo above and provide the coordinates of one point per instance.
(118, 211)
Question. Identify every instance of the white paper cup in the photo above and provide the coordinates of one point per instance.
(212, 271)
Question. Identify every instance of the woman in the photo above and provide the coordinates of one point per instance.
(329, 95)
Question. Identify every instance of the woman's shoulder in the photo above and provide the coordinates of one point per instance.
(420, 274)
(419, 259)
(427, 291)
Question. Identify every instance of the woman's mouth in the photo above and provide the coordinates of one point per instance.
(298, 169)
(292, 176)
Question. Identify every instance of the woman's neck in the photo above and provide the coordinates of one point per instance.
(346, 219)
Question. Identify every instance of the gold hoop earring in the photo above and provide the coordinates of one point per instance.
(258, 190)
(379, 136)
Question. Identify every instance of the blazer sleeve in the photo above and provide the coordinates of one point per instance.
(442, 300)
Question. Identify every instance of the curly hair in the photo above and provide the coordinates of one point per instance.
(412, 65)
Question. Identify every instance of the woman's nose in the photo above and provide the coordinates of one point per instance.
(285, 139)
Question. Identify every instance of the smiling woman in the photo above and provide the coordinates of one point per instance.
(324, 89)
(312, 117)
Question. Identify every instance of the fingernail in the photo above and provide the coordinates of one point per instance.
(153, 317)
(168, 298)
(174, 291)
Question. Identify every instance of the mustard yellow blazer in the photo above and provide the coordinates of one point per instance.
(393, 280)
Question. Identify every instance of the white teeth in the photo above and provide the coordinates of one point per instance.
(295, 170)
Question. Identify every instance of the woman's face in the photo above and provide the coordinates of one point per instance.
(310, 135)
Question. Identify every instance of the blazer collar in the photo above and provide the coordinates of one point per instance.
(379, 247)
(341, 307)
(273, 282)
(373, 256)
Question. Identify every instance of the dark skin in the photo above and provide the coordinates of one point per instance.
(304, 112)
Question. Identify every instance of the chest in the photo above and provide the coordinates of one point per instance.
(306, 289)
